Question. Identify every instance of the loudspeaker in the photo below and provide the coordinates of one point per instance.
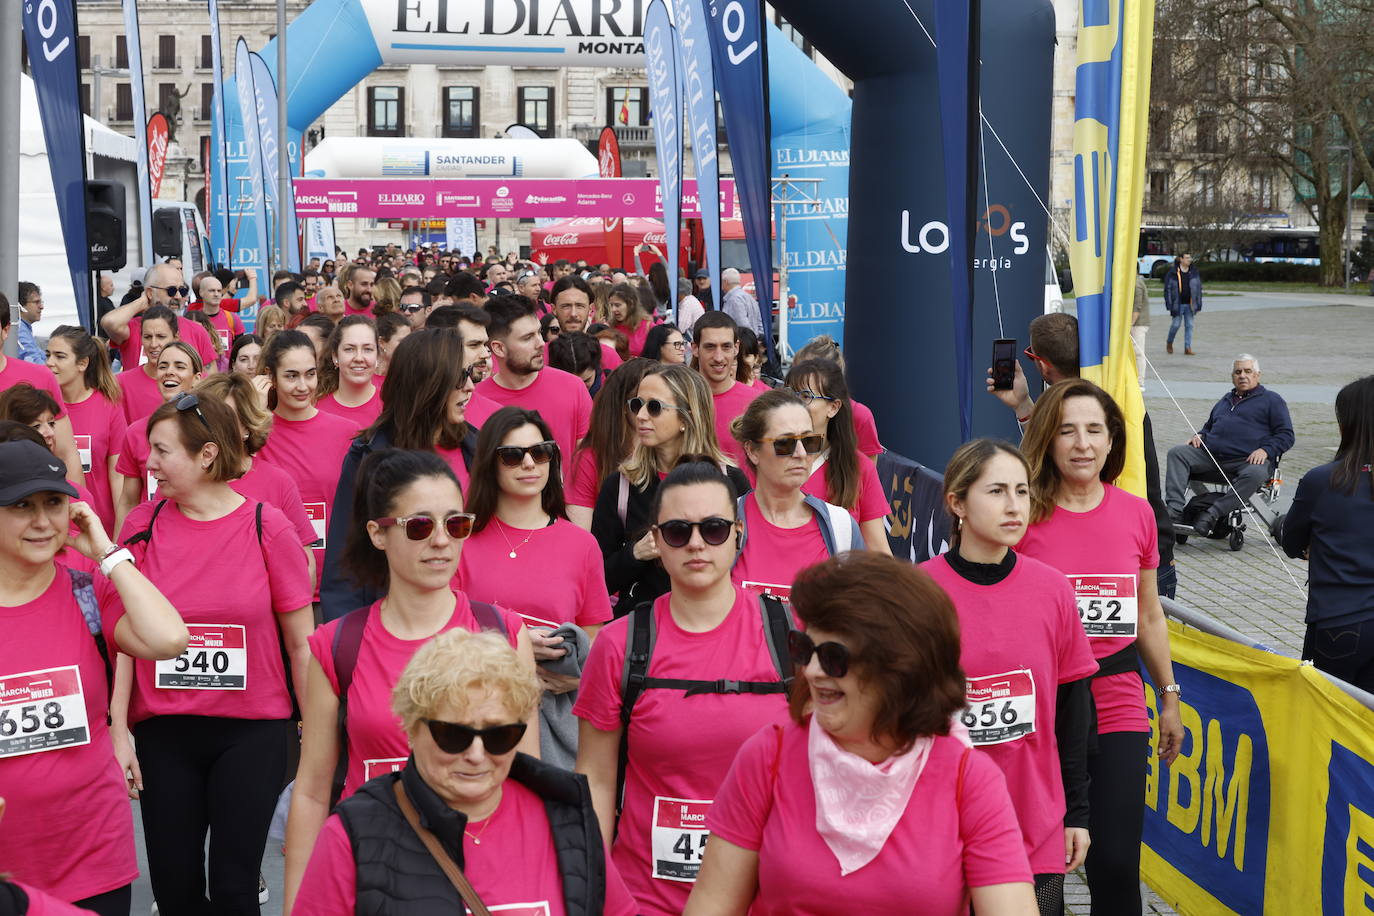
(167, 232)
(105, 225)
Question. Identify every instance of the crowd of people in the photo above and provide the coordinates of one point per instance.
(511, 592)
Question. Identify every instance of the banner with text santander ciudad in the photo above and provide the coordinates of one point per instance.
(665, 100)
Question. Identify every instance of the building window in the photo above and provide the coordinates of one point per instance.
(1159, 130)
(1262, 190)
(461, 117)
(166, 52)
(386, 111)
(1207, 138)
(86, 99)
(627, 106)
(1159, 189)
(83, 52)
(165, 91)
(207, 57)
(1207, 188)
(207, 101)
(535, 105)
(121, 52)
(787, 29)
(124, 102)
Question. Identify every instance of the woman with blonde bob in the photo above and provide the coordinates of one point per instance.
(467, 807)
(673, 415)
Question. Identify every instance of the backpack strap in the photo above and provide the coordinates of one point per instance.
(348, 641)
(837, 525)
(777, 623)
(633, 681)
(146, 535)
(83, 590)
(489, 617)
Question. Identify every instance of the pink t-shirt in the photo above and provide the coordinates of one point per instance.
(560, 397)
(937, 851)
(131, 350)
(516, 832)
(99, 427)
(265, 483)
(68, 827)
(581, 483)
(867, 428)
(636, 337)
(133, 456)
(361, 416)
(728, 406)
(227, 324)
(671, 760)
(311, 452)
(479, 409)
(454, 458)
(556, 576)
(610, 359)
(773, 556)
(233, 668)
(15, 370)
(376, 743)
(1102, 551)
(759, 385)
(140, 393)
(1020, 640)
(44, 904)
(872, 498)
(351, 309)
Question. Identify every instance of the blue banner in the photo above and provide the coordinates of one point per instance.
(660, 63)
(739, 54)
(50, 36)
(216, 204)
(134, 45)
(265, 90)
(699, 84)
(252, 143)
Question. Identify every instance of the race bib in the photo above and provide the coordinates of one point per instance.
(679, 837)
(1107, 605)
(216, 658)
(318, 519)
(384, 765)
(223, 337)
(1001, 707)
(42, 711)
(781, 592)
(83, 450)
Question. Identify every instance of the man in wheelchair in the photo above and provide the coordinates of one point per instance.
(1247, 432)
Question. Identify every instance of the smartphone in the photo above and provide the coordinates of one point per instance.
(1003, 363)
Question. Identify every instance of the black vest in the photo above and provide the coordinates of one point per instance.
(396, 876)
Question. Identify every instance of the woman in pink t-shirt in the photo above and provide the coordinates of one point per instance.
(751, 358)
(348, 372)
(69, 831)
(1025, 656)
(1105, 541)
(212, 726)
(823, 346)
(783, 532)
(679, 738)
(843, 475)
(81, 366)
(610, 439)
(625, 314)
(406, 546)
(138, 384)
(866, 801)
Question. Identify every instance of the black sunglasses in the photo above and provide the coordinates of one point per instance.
(188, 401)
(677, 532)
(654, 405)
(834, 658)
(453, 738)
(512, 456)
(174, 290)
(785, 446)
(420, 527)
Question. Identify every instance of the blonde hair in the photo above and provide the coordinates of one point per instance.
(698, 416)
(237, 389)
(455, 664)
(265, 316)
(386, 296)
(822, 346)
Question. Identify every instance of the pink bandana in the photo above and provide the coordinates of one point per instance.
(859, 803)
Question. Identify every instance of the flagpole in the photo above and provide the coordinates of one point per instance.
(283, 145)
(11, 34)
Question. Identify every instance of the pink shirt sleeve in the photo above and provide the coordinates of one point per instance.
(596, 603)
(128, 461)
(288, 574)
(330, 883)
(872, 499)
(994, 852)
(744, 801)
(619, 900)
(584, 486)
(867, 429)
(321, 644)
(598, 696)
(1147, 533)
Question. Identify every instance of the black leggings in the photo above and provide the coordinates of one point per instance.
(1345, 651)
(1049, 894)
(220, 775)
(1116, 821)
(110, 903)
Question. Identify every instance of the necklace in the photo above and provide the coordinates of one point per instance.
(477, 837)
(502, 528)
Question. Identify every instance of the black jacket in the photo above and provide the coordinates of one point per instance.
(1333, 527)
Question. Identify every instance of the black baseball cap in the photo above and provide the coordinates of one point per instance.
(27, 468)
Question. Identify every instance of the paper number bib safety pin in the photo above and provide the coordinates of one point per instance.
(42, 711)
(1001, 707)
(679, 837)
(1107, 605)
(216, 658)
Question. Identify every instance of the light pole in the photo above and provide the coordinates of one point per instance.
(97, 73)
(284, 199)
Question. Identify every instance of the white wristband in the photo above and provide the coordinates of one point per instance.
(108, 564)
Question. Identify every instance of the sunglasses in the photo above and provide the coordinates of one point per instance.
(188, 401)
(413, 307)
(653, 405)
(512, 456)
(786, 446)
(1030, 354)
(834, 658)
(453, 738)
(421, 527)
(677, 532)
(174, 290)
(807, 395)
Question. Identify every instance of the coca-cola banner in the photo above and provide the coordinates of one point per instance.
(157, 150)
(385, 198)
(608, 166)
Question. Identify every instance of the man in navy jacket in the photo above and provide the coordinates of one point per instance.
(1248, 430)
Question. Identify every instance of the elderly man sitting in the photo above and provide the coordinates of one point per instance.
(1247, 432)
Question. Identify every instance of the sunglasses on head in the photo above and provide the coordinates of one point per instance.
(786, 446)
(421, 527)
(834, 658)
(188, 401)
(653, 405)
(512, 456)
(677, 532)
(453, 738)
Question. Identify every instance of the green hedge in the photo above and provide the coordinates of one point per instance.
(1246, 272)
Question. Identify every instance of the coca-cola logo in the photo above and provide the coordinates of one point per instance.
(567, 238)
(656, 238)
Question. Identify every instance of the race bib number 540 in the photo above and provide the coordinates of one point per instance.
(679, 837)
(1107, 605)
(42, 711)
(216, 658)
(1001, 707)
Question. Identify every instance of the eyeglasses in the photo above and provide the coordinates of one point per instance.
(421, 527)
(807, 395)
(785, 446)
(174, 290)
(834, 658)
(677, 344)
(453, 738)
(512, 456)
(677, 532)
(413, 307)
(188, 401)
(554, 330)
(653, 405)
(1030, 354)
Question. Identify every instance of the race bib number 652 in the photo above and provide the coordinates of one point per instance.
(1107, 605)
(679, 837)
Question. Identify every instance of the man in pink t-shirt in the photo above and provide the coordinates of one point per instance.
(162, 285)
(356, 284)
(715, 339)
(227, 324)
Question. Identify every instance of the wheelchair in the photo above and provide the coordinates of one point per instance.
(1232, 525)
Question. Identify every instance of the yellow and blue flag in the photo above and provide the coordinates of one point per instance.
(1110, 116)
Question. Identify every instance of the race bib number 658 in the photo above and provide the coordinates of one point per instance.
(679, 837)
(42, 711)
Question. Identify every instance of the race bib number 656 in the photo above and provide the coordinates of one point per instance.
(679, 837)
(1001, 707)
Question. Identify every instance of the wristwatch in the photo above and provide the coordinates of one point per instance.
(1175, 689)
(113, 558)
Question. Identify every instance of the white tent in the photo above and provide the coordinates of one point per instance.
(42, 254)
